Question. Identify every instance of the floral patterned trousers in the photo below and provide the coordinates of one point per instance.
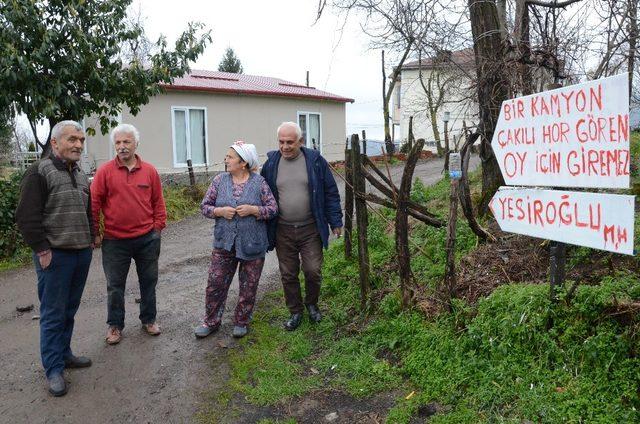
(223, 267)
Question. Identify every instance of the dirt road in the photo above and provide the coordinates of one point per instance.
(144, 379)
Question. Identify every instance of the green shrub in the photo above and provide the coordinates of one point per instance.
(10, 239)
(182, 201)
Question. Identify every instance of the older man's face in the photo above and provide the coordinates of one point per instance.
(69, 145)
(288, 142)
(125, 145)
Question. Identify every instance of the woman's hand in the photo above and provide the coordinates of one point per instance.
(226, 212)
(247, 210)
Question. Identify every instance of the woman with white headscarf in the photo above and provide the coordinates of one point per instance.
(241, 203)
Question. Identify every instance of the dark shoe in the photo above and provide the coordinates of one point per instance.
(77, 362)
(239, 331)
(314, 313)
(293, 322)
(204, 330)
(57, 385)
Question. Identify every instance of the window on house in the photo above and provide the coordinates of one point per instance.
(311, 133)
(398, 94)
(189, 136)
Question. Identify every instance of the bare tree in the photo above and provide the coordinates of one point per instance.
(393, 26)
(386, 96)
(445, 80)
(140, 49)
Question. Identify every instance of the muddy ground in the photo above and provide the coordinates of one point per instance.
(144, 379)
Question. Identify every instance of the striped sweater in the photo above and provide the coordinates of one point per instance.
(54, 210)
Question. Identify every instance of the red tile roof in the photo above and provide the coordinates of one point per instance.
(225, 82)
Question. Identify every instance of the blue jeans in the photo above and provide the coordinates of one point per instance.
(116, 260)
(60, 288)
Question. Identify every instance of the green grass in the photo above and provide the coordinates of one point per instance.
(182, 201)
(20, 258)
(496, 361)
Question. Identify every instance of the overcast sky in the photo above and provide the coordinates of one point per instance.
(278, 39)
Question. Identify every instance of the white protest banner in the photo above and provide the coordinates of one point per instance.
(597, 220)
(575, 136)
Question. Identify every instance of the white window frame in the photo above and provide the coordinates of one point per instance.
(186, 109)
(307, 143)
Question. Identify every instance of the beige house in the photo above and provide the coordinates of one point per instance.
(429, 88)
(201, 114)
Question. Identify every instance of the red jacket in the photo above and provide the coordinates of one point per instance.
(131, 201)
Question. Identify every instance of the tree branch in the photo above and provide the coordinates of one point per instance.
(554, 5)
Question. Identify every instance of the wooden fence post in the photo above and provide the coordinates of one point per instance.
(402, 224)
(348, 202)
(364, 142)
(361, 220)
(192, 178)
(455, 172)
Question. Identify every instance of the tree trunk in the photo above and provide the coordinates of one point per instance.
(386, 95)
(464, 193)
(410, 138)
(433, 116)
(388, 145)
(492, 86)
(632, 11)
(523, 43)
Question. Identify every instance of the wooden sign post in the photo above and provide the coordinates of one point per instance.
(575, 136)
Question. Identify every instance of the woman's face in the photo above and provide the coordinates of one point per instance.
(233, 162)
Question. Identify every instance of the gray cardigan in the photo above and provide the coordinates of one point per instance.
(248, 234)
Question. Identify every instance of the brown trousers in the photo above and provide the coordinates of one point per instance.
(294, 244)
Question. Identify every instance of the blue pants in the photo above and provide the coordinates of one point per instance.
(116, 260)
(60, 288)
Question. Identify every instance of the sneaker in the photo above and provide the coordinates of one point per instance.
(77, 362)
(57, 385)
(293, 322)
(239, 331)
(314, 313)
(114, 335)
(204, 330)
(152, 329)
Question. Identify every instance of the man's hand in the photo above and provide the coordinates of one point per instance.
(45, 258)
(246, 210)
(226, 212)
(337, 231)
(97, 241)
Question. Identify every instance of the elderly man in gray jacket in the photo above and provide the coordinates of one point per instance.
(54, 217)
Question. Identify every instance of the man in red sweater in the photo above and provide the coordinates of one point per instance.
(128, 192)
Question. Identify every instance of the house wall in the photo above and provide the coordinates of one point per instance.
(413, 102)
(229, 118)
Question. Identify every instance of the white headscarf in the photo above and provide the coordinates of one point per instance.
(247, 153)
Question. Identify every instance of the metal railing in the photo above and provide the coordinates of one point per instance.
(24, 159)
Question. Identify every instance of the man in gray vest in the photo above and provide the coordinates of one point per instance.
(54, 217)
(308, 204)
